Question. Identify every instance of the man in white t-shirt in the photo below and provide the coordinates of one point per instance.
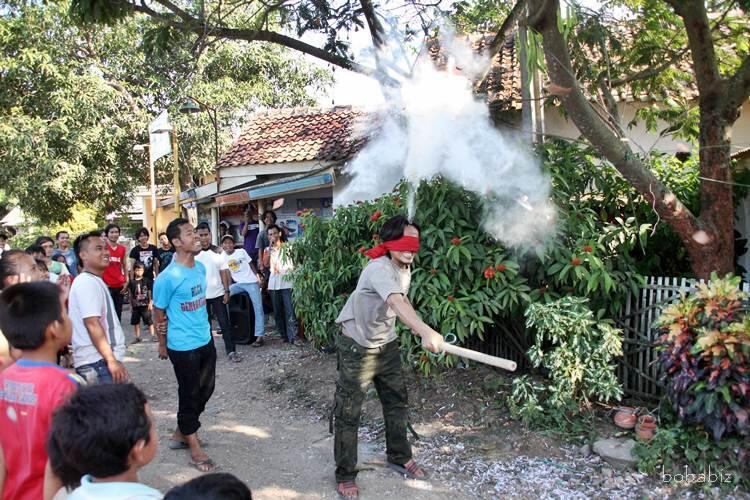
(217, 287)
(246, 278)
(98, 339)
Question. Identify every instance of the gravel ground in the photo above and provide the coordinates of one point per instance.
(267, 423)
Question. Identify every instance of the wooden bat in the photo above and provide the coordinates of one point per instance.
(503, 363)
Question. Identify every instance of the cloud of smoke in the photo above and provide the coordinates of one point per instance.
(435, 126)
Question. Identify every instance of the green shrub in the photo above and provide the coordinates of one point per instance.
(576, 351)
(705, 357)
(675, 446)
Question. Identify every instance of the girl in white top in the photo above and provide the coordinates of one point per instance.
(279, 286)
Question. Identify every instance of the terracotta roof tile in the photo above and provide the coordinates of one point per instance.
(299, 134)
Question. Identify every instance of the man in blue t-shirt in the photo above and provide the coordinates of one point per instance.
(185, 337)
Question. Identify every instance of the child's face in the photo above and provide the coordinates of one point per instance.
(163, 241)
(228, 246)
(138, 272)
(143, 238)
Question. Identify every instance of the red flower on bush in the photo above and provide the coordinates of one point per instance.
(500, 267)
(489, 273)
(575, 261)
(588, 248)
(361, 250)
(450, 298)
(455, 240)
(375, 216)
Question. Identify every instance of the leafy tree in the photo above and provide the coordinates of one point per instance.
(587, 54)
(75, 100)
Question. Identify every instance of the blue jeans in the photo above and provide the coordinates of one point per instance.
(253, 290)
(283, 309)
(95, 373)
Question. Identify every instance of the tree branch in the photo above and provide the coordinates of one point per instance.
(650, 71)
(596, 130)
(695, 18)
(376, 29)
(250, 35)
(738, 90)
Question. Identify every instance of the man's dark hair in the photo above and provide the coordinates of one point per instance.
(141, 231)
(32, 249)
(57, 236)
(273, 215)
(82, 242)
(9, 264)
(94, 432)
(173, 229)
(203, 225)
(111, 226)
(26, 310)
(393, 228)
(43, 239)
(3, 236)
(215, 486)
(162, 234)
(282, 233)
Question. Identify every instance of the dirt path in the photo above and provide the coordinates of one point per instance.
(252, 435)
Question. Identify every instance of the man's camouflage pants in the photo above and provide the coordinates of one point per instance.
(358, 366)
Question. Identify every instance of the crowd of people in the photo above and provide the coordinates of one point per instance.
(84, 433)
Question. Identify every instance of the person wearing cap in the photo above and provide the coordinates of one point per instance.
(246, 279)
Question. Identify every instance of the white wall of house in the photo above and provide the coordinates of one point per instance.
(641, 138)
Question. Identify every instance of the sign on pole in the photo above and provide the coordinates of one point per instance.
(158, 135)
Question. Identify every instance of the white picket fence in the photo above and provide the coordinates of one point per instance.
(637, 369)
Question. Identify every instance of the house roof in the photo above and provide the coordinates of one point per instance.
(298, 134)
(502, 82)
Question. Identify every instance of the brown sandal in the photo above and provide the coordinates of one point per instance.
(347, 489)
(410, 469)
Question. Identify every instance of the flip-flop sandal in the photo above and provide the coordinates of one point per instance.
(409, 472)
(178, 444)
(349, 486)
(210, 465)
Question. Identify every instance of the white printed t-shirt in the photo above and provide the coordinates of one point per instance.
(238, 264)
(212, 261)
(89, 297)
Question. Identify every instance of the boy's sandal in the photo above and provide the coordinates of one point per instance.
(347, 489)
(206, 465)
(410, 469)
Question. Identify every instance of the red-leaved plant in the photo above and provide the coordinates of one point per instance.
(705, 357)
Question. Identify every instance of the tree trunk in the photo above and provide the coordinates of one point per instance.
(708, 238)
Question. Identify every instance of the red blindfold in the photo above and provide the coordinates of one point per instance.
(403, 244)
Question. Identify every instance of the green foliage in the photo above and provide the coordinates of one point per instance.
(677, 445)
(705, 357)
(74, 100)
(576, 351)
(82, 219)
(469, 16)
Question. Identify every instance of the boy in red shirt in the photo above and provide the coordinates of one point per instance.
(34, 320)
(116, 275)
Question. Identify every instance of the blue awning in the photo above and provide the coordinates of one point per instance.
(291, 186)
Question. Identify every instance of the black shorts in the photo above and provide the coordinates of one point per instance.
(141, 312)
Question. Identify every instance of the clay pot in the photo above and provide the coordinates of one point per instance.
(645, 428)
(625, 417)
